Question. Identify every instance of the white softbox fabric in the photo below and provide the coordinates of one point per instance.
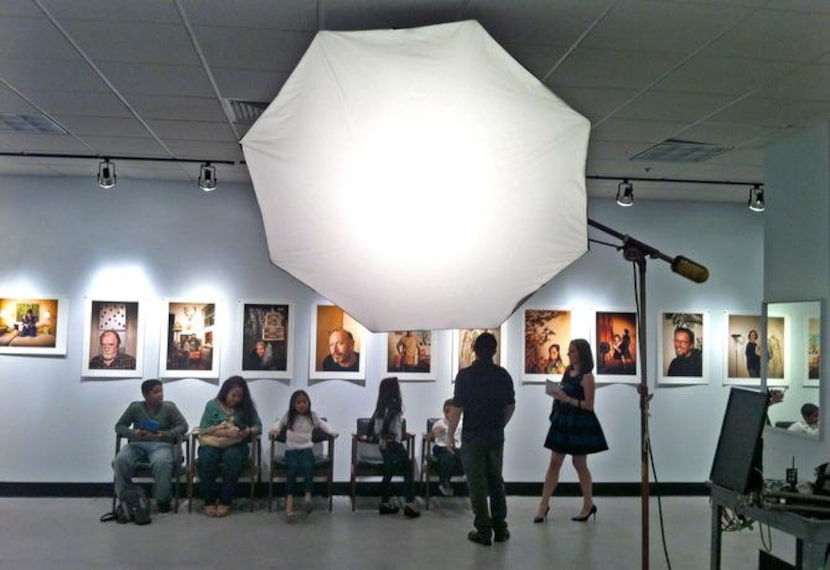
(420, 178)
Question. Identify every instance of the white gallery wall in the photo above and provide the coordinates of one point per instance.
(153, 240)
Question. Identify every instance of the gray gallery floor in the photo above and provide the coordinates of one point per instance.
(42, 533)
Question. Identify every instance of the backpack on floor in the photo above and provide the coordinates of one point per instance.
(133, 507)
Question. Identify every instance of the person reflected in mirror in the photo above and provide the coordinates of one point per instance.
(687, 361)
(232, 420)
(342, 355)
(29, 327)
(152, 427)
(110, 356)
(808, 424)
(485, 398)
(574, 430)
(753, 354)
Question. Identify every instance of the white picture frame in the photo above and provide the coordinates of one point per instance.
(616, 358)
(269, 323)
(123, 317)
(398, 359)
(190, 341)
(462, 347)
(698, 322)
(51, 325)
(543, 328)
(326, 318)
(739, 327)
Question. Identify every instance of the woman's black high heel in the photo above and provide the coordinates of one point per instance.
(544, 517)
(593, 512)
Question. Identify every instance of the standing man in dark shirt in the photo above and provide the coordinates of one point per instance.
(484, 394)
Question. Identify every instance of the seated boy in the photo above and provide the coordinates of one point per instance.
(448, 462)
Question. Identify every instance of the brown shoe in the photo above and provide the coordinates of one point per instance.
(210, 510)
(223, 510)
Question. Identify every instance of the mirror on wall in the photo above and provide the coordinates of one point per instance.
(790, 354)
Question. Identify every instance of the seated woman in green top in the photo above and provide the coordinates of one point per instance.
(231, 418)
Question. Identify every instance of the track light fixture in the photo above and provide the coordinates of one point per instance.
(106, 174)
(207, 177)
(625, 193)
(756, 198)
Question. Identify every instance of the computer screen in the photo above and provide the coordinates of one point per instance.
(737, 463)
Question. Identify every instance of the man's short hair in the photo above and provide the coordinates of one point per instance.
(485, 345)
(688, 332)
(148, 385)
(449, 403)
(117, 337)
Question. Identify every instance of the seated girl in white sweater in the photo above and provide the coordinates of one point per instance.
(299, 423)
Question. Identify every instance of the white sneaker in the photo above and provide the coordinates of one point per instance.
(446, 489)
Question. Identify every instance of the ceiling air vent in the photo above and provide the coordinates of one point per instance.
(245, 111)
(673, 150)
(29, 124)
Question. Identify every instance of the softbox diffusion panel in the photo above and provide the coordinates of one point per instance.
(419, 178)
(737, 460)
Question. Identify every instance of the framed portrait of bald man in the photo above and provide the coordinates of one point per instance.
(338, 345)
(113, 339)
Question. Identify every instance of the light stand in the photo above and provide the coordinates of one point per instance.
(639, 252)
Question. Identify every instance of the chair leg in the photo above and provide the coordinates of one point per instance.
(353, 491)
(270, 491)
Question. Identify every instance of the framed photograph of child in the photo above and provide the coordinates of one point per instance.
(547, 335)
(743, 347)
(683, 354)
(113, 339)
(266, 346)
(33, 326)
(338, 345)
(189, 346)
(616, 344)
(409, 355)
(462, 347)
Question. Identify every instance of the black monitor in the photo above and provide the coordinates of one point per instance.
(737, 463)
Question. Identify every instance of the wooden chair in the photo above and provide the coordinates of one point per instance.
(429, 461)
(323, 461)
(366, 457)
(143, 470)
(252, 471)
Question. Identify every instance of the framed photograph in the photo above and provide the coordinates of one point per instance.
(615, 345)
(409, 355)
(743, 348)
(337, 345)
(113, 339)
(462, 347)
(683, 356)
(813, 355)
(33, 326)
(190, 348)
(778, 357)
(267, 343)
(547, 335)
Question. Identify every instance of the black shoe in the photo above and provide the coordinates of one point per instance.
(479, 538)
(164, 507)
(411, 513)
(501, 535)
(592, 512)
(387, 509)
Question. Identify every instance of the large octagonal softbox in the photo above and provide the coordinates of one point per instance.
(420, 178)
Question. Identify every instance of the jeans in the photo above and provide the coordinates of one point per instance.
(230, 461)
(299, 461)
(447, 464)
(161, 459)
(483, 465)
(396, 460)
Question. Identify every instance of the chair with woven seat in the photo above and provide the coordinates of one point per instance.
(251, 472)
(323, 461)
(366, 458)
(429, 462)
(144, 471)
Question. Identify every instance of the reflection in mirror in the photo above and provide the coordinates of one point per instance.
(791, 345)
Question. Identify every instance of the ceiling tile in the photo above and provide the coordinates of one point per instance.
(114, 10)
(772, 112)
(206, 149)
(28, 74)
(728, 134)
(248, 84)
(384, 14)
(612, 69)
(253, 48)
(808, 82)
(102, 126)
(33, 38)
(173, 107)
(722, 75)
(152, 79)
(642, 131)
(115, 146)
(538, 60)
(297, 15)
(594, 104)
(193, 130)
(94, 103)
(168, 44)
(670, 106)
